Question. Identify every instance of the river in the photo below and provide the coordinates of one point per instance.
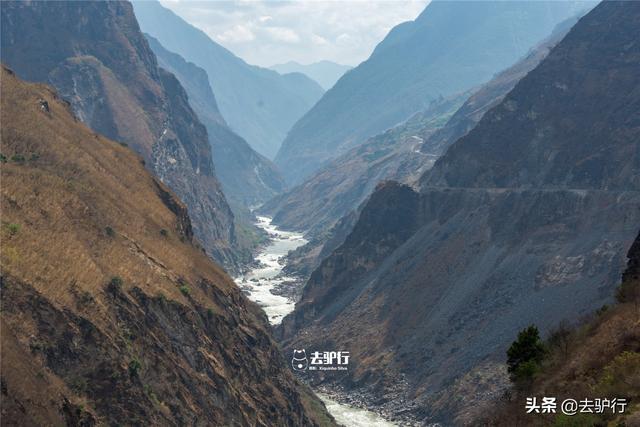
(267, 277)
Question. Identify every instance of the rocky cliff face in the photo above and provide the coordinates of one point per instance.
(526, 219)
(258, 104)
(96, 57)
(111, 314)
(450, 48)
(247, 178)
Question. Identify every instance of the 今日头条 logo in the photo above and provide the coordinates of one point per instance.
(320, 360)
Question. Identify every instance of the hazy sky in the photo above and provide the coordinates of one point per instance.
(267, 32)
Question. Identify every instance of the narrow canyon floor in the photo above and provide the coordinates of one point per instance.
(267, 285)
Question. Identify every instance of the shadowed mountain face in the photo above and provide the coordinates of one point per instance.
(111, 314)
(94, 54)
(450, 48)
(258, 104)
(326, 73)
(526, 219)
(247, 178)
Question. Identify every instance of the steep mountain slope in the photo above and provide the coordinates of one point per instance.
(401, 154)
(258, 104)
(526, 219)
(450, 48)
(317, 204)
(599, 356)
(247, 177)
(111, 313)
(320, 204)
(491, 93)
(326, 73)
(96, 57)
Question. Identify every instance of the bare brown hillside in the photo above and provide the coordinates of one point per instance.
(111, 313)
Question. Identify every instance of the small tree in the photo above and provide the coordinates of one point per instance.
(560, 338)
(13, 229)
(115, 285)
(525, 355)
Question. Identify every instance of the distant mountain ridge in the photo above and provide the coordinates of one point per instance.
(248, 178)
(326, 73)
(450, 48)
(258, 104)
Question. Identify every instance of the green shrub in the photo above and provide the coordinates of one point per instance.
(79, 385)
(18, 158)
(577, 420)
(3, 158)
(85, 298)
(621, 377)
(628, 291)
(13, 228)
(115, 284)
(602, 310)
(164, 233)
(109, 231)
(185, 290)
(134, 368)
(525, 355)
(149, 392)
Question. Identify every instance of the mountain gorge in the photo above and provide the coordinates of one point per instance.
(94, 54)
(111, 314)
(525, 219)
(258, 104)
(450, 48)
(400, 154)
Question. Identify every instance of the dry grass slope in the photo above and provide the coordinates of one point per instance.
(110, 312)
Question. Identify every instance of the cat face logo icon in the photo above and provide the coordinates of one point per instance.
(299, 361)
